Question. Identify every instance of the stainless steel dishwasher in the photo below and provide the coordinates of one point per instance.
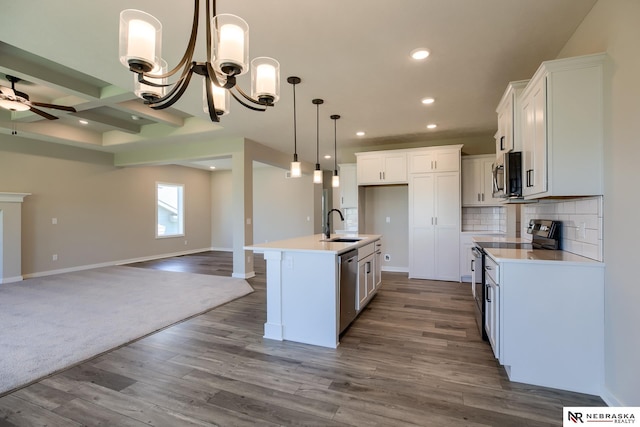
(348, 285)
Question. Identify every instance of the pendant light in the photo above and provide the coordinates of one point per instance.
(335, 180)
(317, 173)
(296, 171)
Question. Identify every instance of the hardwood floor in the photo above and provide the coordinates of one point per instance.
(413, 357)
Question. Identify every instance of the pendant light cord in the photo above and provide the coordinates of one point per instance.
(295, 132)
(335, 144)
(318, 134)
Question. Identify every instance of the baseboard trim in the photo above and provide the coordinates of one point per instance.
(248, 275)
(610, 399)
(112, 263)
(396, 269)
(10, 279)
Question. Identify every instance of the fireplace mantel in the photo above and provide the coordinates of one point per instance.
(13, 197)
(11, 236)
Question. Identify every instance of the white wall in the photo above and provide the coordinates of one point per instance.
(613, 26)
(221, 210)
(281, 206)
(389, 201)
(105, 214)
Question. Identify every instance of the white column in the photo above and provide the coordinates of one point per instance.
(11, 236)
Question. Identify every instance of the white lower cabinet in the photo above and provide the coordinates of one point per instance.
(492, 305)
(545, 322)
(369, 272)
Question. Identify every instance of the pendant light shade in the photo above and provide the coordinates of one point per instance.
(317, 173)
(296, 170)
(335, 180)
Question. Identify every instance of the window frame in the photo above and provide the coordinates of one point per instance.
(181, 210)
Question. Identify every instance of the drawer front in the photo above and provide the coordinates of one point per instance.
(491, 269)
(366, 250)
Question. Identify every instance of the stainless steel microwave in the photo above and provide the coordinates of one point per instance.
(507, 176)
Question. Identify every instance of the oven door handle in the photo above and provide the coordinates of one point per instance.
(476, 252)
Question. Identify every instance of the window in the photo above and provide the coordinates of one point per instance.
(170, 210)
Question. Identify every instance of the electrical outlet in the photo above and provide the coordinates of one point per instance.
(54, 221)
(387, 257)
(185, 242)
(388, 219)
(54, 257)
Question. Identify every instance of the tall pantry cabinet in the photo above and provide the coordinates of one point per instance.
(434, 216)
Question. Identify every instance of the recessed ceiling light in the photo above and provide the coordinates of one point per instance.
(419, 54)
(432, 126)
(212, 167)
(83, 122)
(327, 156)
(360, 133)
(428, 100)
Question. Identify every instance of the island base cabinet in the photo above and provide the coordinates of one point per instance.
(552, 325)
(303, 297)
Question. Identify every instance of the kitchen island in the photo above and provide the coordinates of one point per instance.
(303, 286)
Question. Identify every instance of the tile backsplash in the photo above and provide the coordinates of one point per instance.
(490, 218)
(581, 223)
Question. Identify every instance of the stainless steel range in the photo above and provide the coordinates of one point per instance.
(545, 235)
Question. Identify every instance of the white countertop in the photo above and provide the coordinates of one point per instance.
(539, 255)
(315, 243)
(530, 255)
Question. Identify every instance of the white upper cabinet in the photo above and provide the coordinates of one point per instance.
(477, 177)
(382, 167)
(435, 159)
(562, 128)
(348, 186)
(508, 135)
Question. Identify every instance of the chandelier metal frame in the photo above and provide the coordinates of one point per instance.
(187, 67)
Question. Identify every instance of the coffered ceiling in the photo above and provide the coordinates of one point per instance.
(352, 53)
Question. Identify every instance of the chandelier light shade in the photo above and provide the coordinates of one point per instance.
(146, 91)
(227, 57)
(221, 100)
(230, 44)
(296, 170)
(317, 173)
(335, 179)
(140, 40)
(265, 79)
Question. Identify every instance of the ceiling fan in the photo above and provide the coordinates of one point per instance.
(14, 100)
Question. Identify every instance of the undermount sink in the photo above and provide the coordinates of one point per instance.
(343, 239)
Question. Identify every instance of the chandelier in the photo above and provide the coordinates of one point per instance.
(227, 58)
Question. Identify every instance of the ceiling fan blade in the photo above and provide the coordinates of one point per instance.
(57, 107)
(43, 114)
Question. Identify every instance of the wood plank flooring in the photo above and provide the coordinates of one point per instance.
(414, 357)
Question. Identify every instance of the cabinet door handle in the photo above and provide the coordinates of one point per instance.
(482, 197)
(384, 177)
(436, 219)
(486, 292)
(478, 196)
(530, 178)
(473, 265)
(435, 164)
(368, 267)
(432, 221)
(501, 143)
(380, 175)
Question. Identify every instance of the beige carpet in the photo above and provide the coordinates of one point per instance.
(50, 323)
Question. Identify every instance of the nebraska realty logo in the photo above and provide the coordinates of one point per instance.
(603, 416)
